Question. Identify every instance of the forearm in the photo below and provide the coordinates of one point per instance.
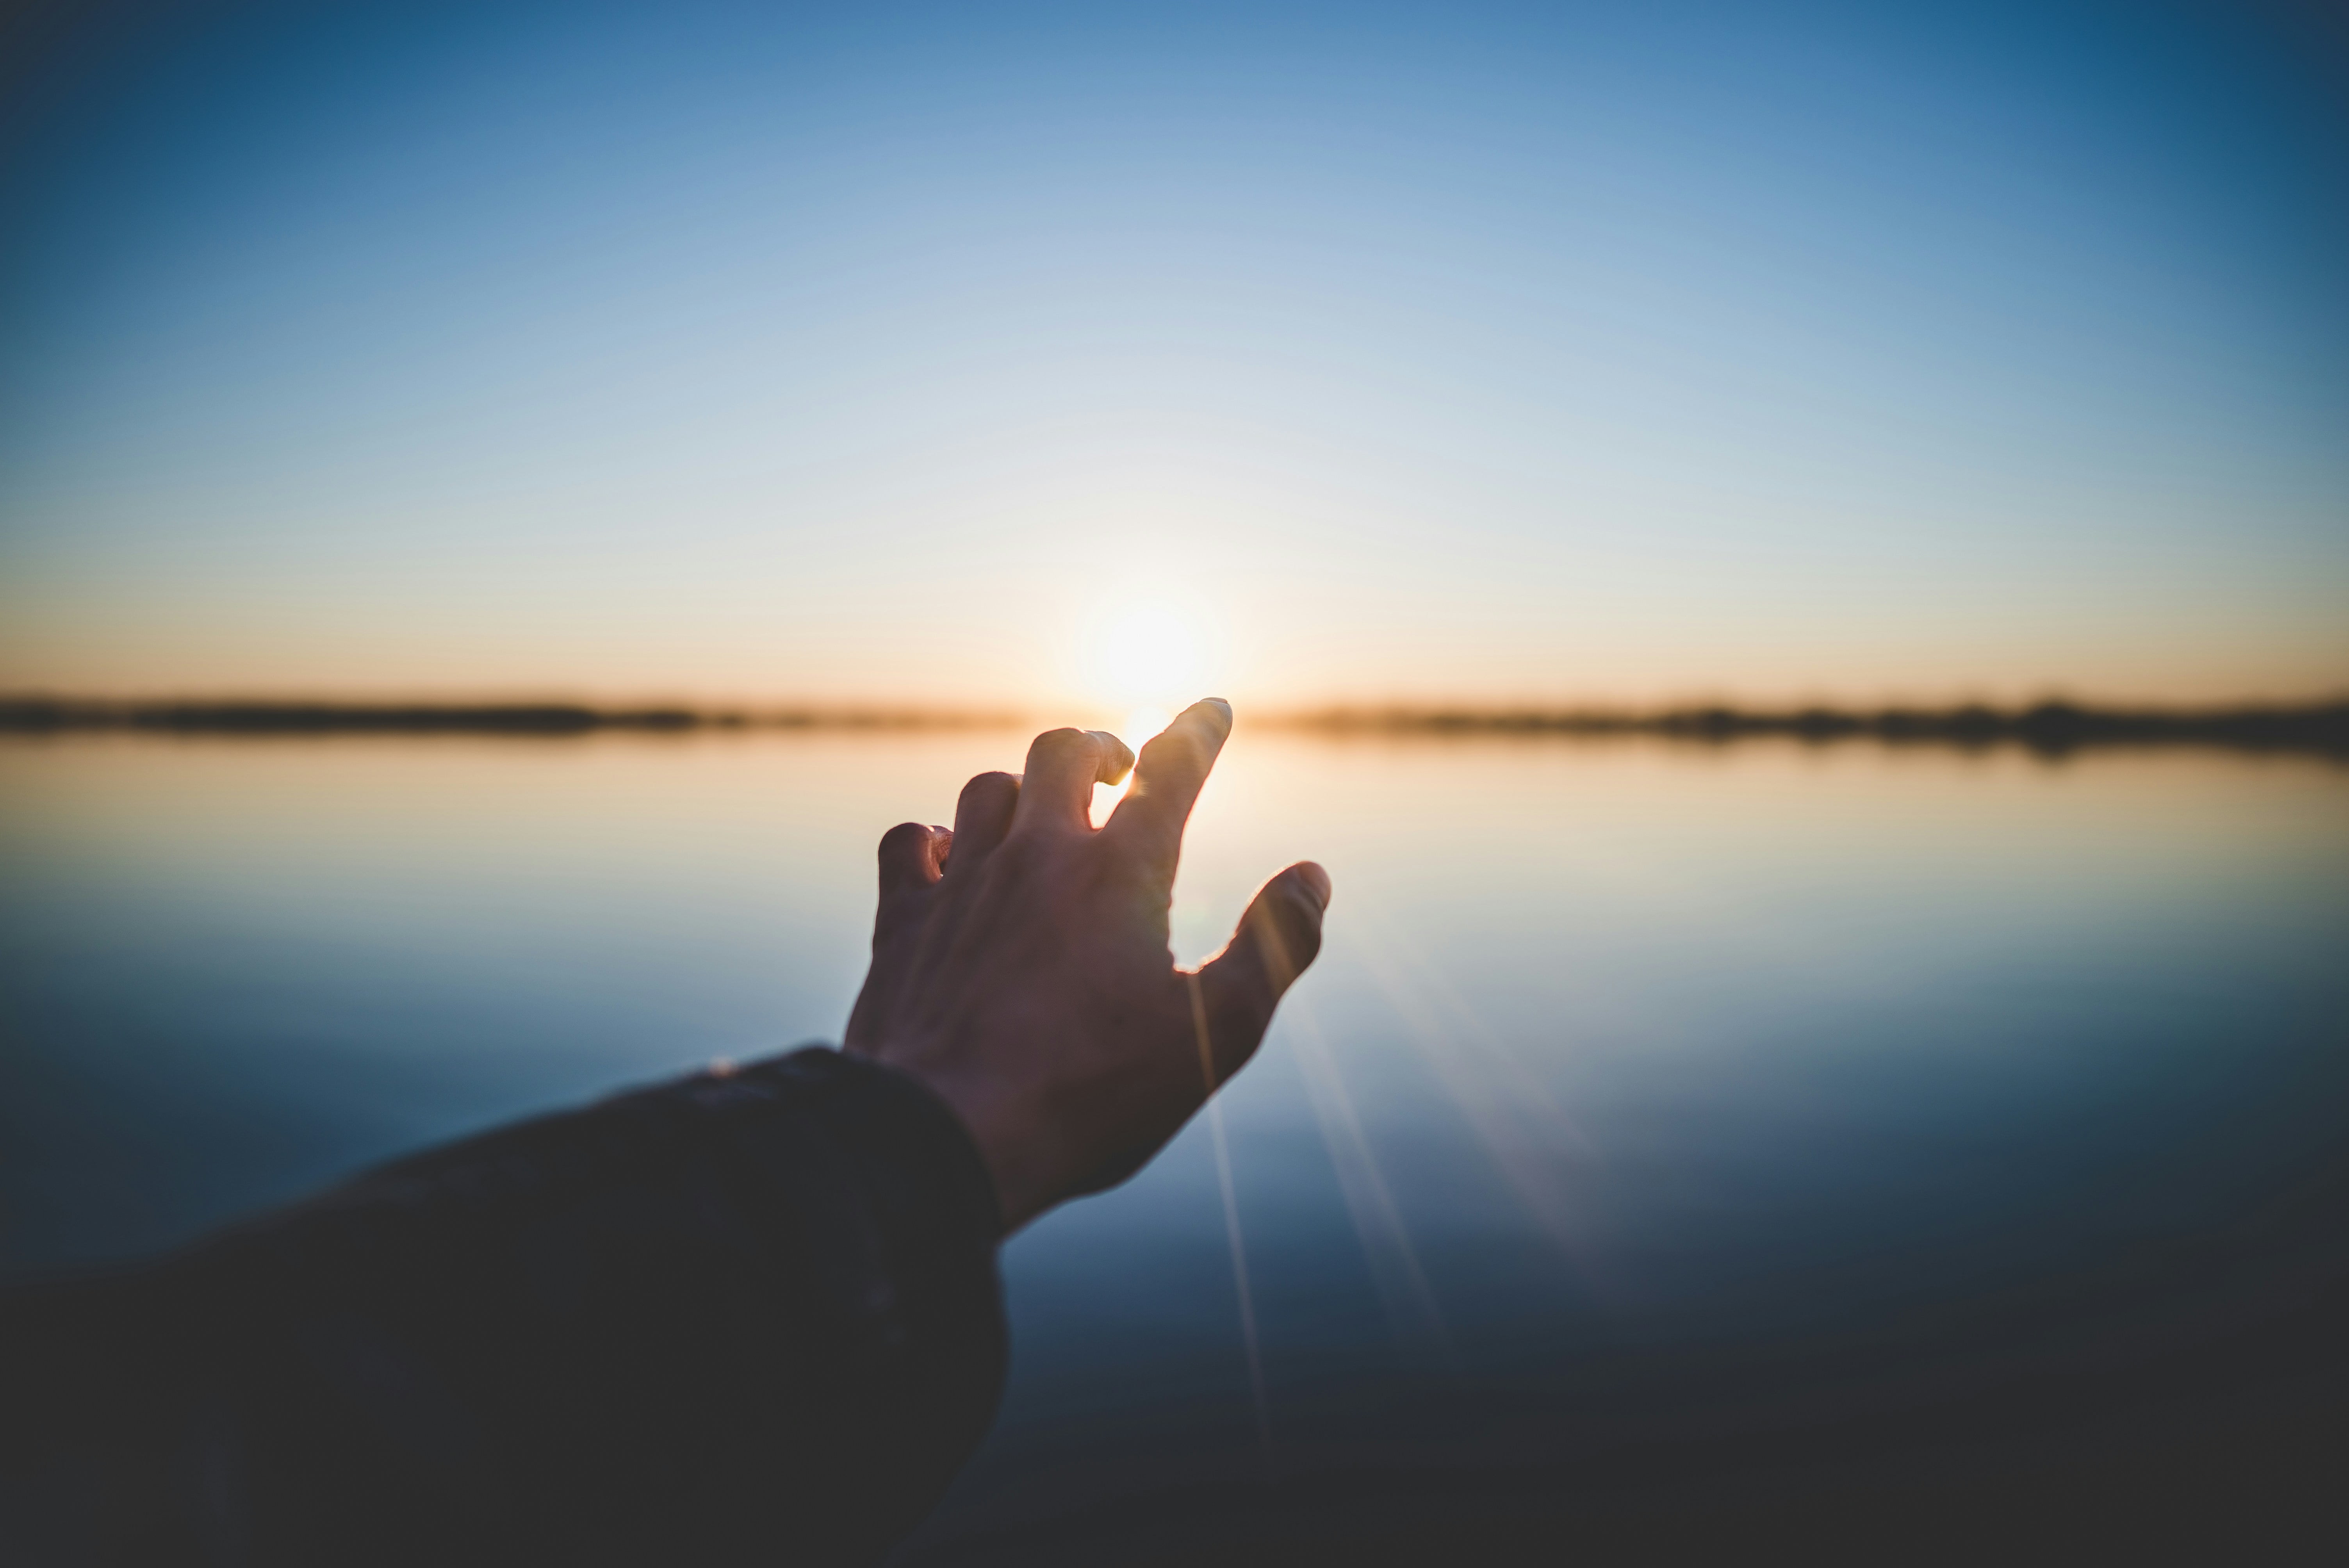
(744, 1315)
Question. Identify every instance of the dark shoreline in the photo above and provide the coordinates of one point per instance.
(2049, 727)
(42, 716)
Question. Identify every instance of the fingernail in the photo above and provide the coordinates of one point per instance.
(1315, 881)
(1226, 707)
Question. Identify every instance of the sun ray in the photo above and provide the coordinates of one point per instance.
(1232, 1225)
(1395, 1271)
(1527, 1137)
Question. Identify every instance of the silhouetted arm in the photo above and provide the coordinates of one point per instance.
(743, 1317)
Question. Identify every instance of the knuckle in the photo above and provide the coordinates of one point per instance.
(1060, 751)
(987, 784)
(904, 839)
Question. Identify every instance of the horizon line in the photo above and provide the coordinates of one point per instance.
(2049, 725)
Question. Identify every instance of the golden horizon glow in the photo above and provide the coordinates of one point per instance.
(1147, 657)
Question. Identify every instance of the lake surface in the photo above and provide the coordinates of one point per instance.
(1654, 1108)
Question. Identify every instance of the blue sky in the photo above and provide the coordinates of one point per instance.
(939, 353)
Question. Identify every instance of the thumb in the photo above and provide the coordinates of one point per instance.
(1238, 988)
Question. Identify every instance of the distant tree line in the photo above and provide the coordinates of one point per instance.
(2048, 728)
(258, 717)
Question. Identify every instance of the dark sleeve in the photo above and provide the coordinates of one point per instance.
(741, 1318)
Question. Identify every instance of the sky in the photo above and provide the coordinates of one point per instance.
(1089, 353)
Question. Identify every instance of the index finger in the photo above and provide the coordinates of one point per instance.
(1167, 779)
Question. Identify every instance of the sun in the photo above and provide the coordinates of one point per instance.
(1148, 654)
(1147, 659)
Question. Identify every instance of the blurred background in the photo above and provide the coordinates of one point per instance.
(1675, 1129)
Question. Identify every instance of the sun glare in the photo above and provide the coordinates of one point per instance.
(1148, 654)
(1141, 656)
(1136, 728)
(1147, 659)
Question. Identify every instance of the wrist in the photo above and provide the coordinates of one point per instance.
(1010, 1143)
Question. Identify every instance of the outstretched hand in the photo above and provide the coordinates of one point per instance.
(1020, 966)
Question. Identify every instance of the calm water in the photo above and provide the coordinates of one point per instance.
(1644, 1096)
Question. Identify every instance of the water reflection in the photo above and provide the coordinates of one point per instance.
(1772, 1105)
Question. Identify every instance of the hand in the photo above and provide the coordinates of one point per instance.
(1020, 966)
